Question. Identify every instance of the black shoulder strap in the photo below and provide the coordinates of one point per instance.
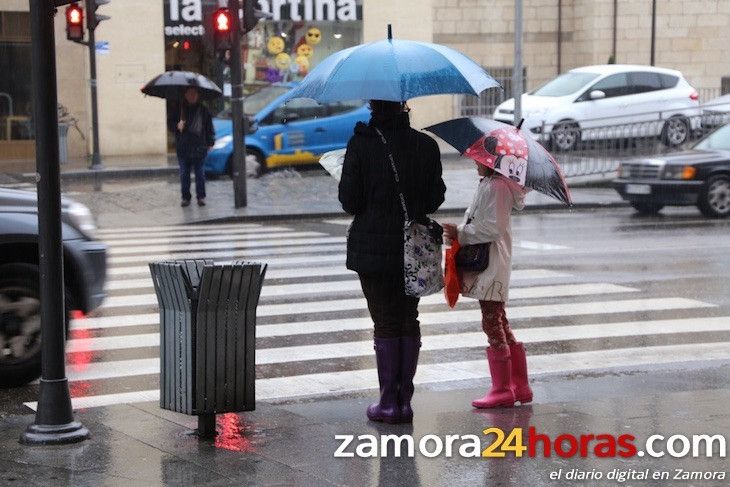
(395, 173)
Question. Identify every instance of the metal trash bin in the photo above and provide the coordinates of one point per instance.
(207, 336)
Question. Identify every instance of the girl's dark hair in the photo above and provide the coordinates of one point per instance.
(385, 107)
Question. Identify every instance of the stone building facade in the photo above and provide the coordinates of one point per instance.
(691, 35)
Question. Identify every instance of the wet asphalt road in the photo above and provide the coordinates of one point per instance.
(608, 273)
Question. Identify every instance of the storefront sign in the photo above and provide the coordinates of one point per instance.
(312, 10)
(186, 18)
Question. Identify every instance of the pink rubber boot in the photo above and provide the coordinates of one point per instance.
(519, 381)
(500, 395)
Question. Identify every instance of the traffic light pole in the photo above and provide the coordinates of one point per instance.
(239, 141)
(91, 24)
(54, 421)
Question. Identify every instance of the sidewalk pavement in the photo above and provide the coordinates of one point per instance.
(278, 195)
(293, 443)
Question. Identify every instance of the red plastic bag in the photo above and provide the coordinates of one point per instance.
(452, 286)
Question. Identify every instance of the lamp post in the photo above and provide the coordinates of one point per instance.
(54, 421)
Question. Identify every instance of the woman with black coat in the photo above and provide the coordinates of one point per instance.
(194, 136)
(375, 241)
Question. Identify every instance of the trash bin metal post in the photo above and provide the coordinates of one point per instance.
(254, 293)
(208, 293)
(162, 285)
(183, 336)
(181, 314)
(242, 358)
(234, 305)
(175, 296)
(225, 275)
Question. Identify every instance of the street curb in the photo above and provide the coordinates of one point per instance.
(445, 212)
(103, 174)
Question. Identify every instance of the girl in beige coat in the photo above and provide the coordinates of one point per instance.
(488, 220)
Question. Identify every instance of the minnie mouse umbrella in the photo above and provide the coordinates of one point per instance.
(505, 149)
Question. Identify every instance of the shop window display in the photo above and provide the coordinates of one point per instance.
(288, 50)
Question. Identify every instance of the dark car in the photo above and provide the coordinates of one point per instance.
(700, 176)
(84, 275)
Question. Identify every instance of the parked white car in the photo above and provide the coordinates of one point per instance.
(606, 102)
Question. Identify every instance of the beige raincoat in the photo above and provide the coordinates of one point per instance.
(488, 219)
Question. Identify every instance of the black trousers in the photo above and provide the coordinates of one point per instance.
(393, 313)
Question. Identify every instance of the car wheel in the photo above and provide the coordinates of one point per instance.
(714, 199)
(675, 131)
(256, 168)
(565, 136)
(647, 208)
(20, 324)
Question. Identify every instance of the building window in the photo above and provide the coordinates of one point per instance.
(16, 106)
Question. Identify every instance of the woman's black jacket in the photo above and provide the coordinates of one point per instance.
(368, 191)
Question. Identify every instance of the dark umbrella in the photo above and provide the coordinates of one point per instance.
(172, 84)
(505, 149)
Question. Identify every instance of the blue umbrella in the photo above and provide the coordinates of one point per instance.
(395, 70)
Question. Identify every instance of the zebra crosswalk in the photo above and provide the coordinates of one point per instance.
(313, 333)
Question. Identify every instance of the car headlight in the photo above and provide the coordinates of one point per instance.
(81, 218)
(679, 172)
(222, 142)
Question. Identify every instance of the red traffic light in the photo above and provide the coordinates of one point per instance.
(74, 23)
(222, 20)
(74, 15)
(186, 45)
(222, 29)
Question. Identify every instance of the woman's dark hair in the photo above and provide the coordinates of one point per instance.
(385, 107)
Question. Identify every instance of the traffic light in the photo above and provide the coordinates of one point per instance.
(222, 28)
(75, 23)
(251, 16)
(94, 18)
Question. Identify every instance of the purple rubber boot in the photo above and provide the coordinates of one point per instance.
(409, 348)
(387, 356)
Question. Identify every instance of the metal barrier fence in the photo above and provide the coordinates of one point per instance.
(484, 104)
(598, 146)
(601, 144)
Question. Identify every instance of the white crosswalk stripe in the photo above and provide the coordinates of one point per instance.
(331, 271)
(308, 290)
(347, 304)
(365, 379)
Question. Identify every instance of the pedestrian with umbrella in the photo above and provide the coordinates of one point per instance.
(507, 162)
(390, 180)
(191, 123)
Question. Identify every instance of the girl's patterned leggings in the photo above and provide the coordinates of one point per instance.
(495, 324)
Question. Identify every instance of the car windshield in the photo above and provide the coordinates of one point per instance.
(256, 102)
(717, 140)
(565, 84)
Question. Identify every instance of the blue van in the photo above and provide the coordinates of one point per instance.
(286, 133)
